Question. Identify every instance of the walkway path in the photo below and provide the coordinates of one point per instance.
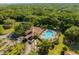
(4, 36)
(27, 48)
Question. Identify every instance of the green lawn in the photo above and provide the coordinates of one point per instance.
(58, 48)
(17, 49)
(6, 31)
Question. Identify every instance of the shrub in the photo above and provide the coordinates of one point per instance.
(8, 23)
(52, 47)
(1, 30)
(64, 49)
(62, 52)
(6, 26)
(56, 42)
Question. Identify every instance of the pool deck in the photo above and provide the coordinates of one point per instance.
(40, 31)
(51, 38)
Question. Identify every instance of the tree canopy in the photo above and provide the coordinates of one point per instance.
(72, 34)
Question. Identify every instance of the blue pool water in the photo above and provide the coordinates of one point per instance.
(48, 34)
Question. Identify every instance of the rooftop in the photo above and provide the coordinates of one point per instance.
(37, 30)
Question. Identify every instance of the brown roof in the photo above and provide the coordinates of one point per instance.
(34, 31)
(37, 30)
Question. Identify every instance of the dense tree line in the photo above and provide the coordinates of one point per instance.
(63, 17)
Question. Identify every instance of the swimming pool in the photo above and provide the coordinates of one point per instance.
(48, 34)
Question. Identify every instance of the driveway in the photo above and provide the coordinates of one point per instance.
(29, 47)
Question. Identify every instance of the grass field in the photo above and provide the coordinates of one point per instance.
(6, 31)
(58, 48)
